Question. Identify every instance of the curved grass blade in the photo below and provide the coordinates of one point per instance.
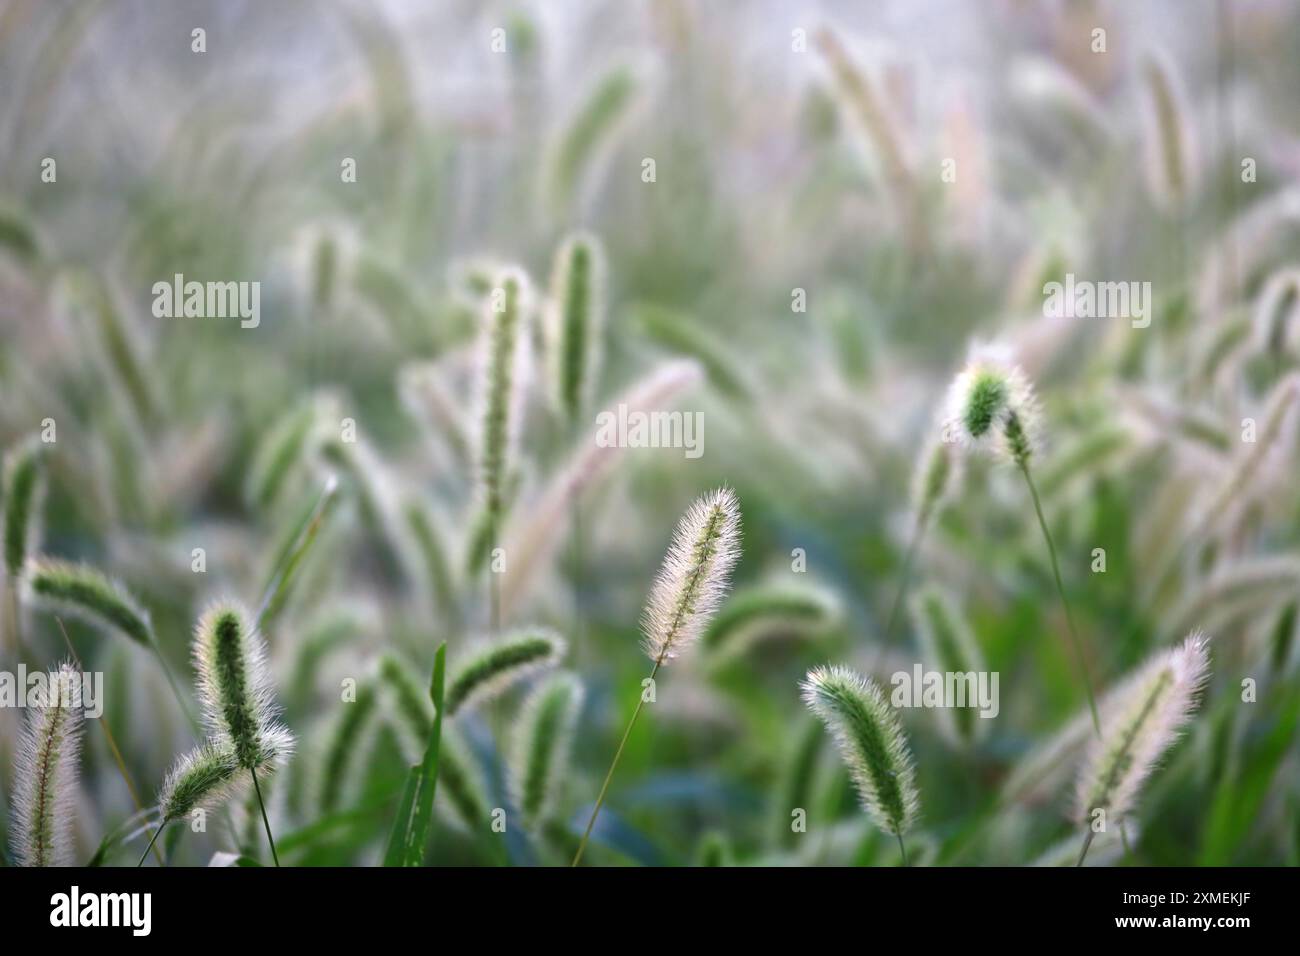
(410, 835)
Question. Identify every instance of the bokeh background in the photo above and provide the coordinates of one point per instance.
(774, 181)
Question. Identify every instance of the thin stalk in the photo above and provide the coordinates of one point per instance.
(600, 800)
(171, 682)
(1060, 589)
(575, 539)
(112, 744)
(1087, 842)
(917, 530)
(257, 788)
(152, 840)
(902, 849)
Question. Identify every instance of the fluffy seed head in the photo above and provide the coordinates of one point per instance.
(234, 684)
(574, 322)
(83, 592)
(504, 343)
(937, 475)
(1139, 723)
(542, 746)
(870, 741)
(45, 773)
(204, 777)
(346, 745)
(991, 404)
(22, 495)
(498, 666)
(694, 575)
(949, 647)
(753, 614)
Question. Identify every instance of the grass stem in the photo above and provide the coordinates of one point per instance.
(1060, 589)
(600, 799)
(152, 840)
(257, 788)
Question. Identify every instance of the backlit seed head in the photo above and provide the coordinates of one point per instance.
(205, 777)
(870, 741)
(495, 667)
(84, 592)
(575, 322)
(45, 773)
(23, 484)
(1140, 721)
(991, 405)
(234, 684)
(694, 577)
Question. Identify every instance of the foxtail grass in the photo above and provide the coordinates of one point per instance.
(83, 592)
(504, 342)
(950, 646)
(345, 745)
(936, 476)
(575, 322)
(23, 487)
(542, 745)
(1142, 722)
(991, 405)
(871, 743)
(234, 683)
(497, 666)
(691, 583)
(767, 610)
(45, 773)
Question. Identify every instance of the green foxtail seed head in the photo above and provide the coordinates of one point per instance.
(991, 404)
(1139, 723)
(574, 323)
(493, 668)
(870, 741)
(83, 592)
(1170, 165)
(460, 784)
(409, 703)
(45, 772)
(542, 744)
(23, 484)
(936, 478)
(1274, 321)
(503, 352)
(694, 575)
(590, 129)
(205, 777)
(234, 683)
(778, 610)
(347, 745)
(950, 648)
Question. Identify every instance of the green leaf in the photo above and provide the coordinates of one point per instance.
(1239, 796)
(410, 835)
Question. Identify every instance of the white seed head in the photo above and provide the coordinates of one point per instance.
(694, 575)
(987, 396)
(871, 743)
(1140, 721)
(45, 773)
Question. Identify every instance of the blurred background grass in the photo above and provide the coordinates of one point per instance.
(225, 166)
